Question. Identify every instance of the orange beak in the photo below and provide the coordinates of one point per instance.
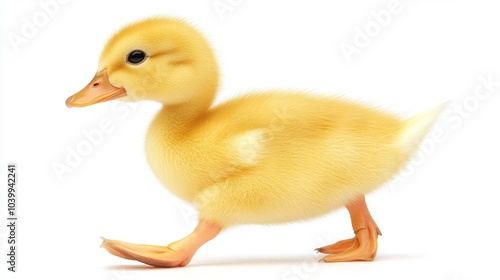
(98, 90)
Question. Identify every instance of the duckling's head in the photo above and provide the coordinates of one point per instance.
(159, 59)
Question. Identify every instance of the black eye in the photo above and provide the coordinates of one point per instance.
(136, 56)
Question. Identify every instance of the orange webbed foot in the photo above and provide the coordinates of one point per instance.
(159, 256)
(363, 247)
(175, 254)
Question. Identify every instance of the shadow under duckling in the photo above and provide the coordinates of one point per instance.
(263, 158)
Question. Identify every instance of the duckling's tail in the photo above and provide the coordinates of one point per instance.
(417, 127)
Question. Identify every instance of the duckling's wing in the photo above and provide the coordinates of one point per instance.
(249, 146)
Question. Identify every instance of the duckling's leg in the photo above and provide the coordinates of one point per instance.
(175, 254)
(363, 247)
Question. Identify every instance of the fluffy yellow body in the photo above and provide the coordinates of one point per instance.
(275, 157)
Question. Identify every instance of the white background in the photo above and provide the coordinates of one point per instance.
(439, 219)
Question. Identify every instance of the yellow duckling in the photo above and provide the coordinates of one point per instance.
(263, 158)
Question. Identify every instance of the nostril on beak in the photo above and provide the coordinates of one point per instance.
(96, 84)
